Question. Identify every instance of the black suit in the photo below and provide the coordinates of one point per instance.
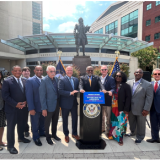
(124, 97)
(96, 84)
(12, 94)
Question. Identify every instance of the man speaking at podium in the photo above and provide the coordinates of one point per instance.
(90, 82)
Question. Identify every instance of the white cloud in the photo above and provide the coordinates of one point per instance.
(100, 4)
(46, 26)
(59, 9)
(67, 27)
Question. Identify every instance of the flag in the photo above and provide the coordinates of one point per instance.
(60, 70)
(115, 67)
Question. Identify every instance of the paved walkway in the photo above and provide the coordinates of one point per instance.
(61, 150)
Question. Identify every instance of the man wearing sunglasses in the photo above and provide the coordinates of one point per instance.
(49, 98)
(155, 109)
(110, 86)
(142, 96)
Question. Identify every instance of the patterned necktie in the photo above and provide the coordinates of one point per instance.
(71, 81)
(90, 82)
(155, 86)
(20, 85)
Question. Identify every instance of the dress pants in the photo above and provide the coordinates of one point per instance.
(37, 122)
(52, 116)
(26, 128)
(16, 117)
(65, 114)
(137, 122)
(155, 123)
(106, 112)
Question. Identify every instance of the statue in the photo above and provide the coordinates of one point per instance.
(80, 36)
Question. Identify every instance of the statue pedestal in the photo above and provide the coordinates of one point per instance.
(82, 62)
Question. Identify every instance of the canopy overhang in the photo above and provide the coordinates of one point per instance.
(61, 40)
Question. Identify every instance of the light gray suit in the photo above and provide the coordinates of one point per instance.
(141, 100)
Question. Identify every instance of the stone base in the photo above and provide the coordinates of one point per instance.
(82, 62)
(101, 145)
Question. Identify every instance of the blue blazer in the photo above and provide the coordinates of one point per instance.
(32, 94)
(12, 94)
(156, 99)
(109, 85)
(64, 87)
(48, 94)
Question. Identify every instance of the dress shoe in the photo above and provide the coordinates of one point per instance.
(56, 138)
(66, 139)
(38, 142)
(12, 150)
(137, 141)
(49, 141)
(152, 140)
(76, 137)
(24, 140)
(129, 134)
(26, 134)
(1, 148)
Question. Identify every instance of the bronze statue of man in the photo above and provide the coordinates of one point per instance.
(80, 35)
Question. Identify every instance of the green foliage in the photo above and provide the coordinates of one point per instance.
(44, 66)
(97, 71)
(146, 57)
(76, 72)
(125, 68)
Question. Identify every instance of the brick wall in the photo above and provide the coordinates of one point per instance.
(154, 27)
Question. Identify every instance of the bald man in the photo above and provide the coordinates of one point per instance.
(34, 105)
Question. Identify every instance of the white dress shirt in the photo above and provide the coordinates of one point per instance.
(158, 82)
(19, 80)
(103, 79)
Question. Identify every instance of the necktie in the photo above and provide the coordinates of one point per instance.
(71, 81)
(155, 86)
(90, 81)
(20, 85)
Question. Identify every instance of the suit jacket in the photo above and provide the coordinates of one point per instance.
(32, 94)
(124, 97)
(64, 87)
(142, 97)
(156, 99)
(96, 84)
(12, 94)
(109, 85)
(48, 94)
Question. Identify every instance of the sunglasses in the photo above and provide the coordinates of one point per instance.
(90, 70)
(138, 72)
(52, 71)
(156, 74)
(103, 69)
(118, 76)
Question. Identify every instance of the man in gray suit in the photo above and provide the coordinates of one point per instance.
(142, 96)
(49, 98)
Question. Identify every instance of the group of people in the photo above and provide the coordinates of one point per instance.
(41, 97)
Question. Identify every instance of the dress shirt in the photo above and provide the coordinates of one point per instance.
(90, 78)
(19, 80)
(39, 78)
(158, 82)
(55, 85)
(135, 84)
(103, 79)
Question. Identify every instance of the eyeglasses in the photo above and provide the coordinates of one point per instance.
(52, 71)
(156, 74)
(139, 72)
(103, 69)
(118, 76)
(90, 70)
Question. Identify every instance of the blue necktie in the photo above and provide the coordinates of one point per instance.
(71, 81)
(20, 85)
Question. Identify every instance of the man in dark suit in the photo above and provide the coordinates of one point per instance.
(110, 87)
(155, 109)
(34, 105)
(68, 89)
(49, 98)
(13, 93)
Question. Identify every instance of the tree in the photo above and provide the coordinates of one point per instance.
(146, 57)
(76, 72)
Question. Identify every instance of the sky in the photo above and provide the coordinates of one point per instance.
(60, 16)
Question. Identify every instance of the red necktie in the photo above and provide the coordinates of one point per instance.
(155, 86)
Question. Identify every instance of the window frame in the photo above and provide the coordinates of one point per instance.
(149, 6)
(158, 36)
(150, 22)
(149, 38)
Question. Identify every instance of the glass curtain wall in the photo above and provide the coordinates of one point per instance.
(99, 31)
(112, 28)
(129, 24)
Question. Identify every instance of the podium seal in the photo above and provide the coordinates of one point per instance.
(91, 110)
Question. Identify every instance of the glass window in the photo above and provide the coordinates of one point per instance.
(157, 19)
(157, 3)
(99, 31)
(149, 6)
(156, 35)
(147, 38)
(107, 28)
(112, 28)
(36, 28)
(36, 10)
(148, 22)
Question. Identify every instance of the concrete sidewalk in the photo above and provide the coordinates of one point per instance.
(61, 150)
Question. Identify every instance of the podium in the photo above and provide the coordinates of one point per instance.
(90, 125)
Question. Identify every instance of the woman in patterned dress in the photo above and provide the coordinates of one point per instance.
(2, 115)
(121, 104)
